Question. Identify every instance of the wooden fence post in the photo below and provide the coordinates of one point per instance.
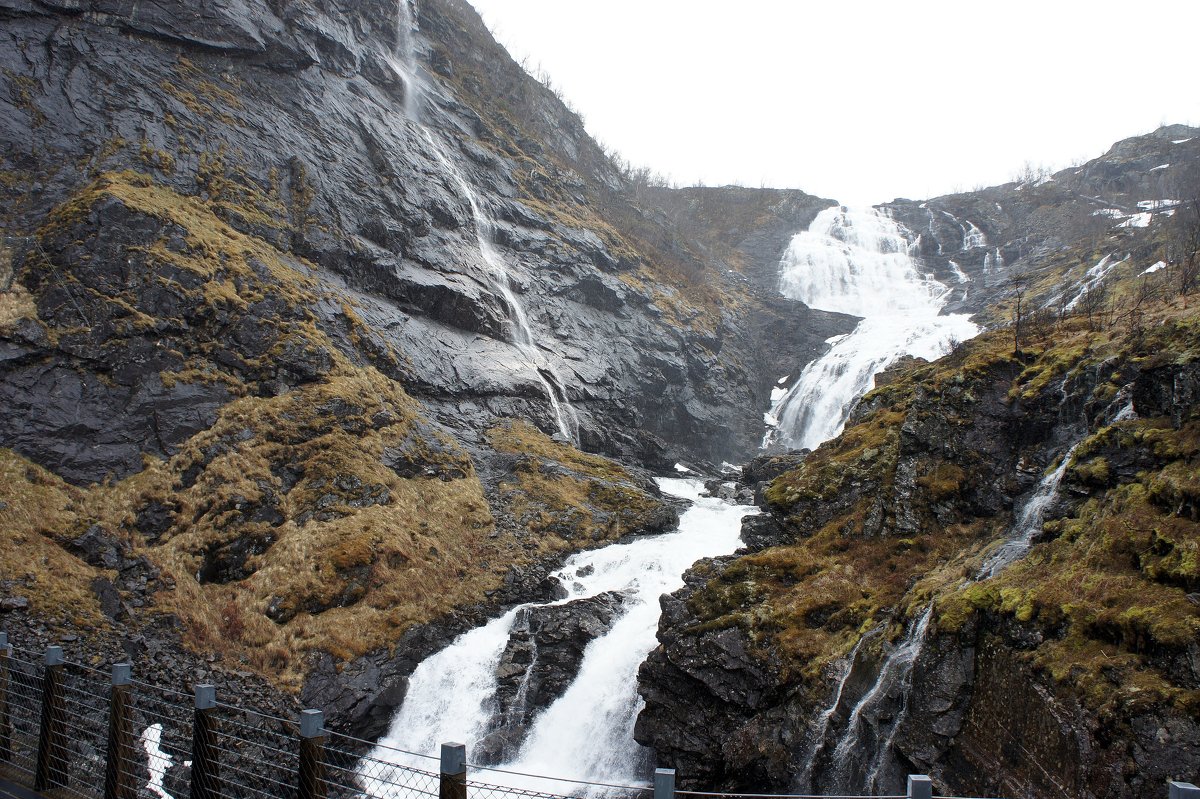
(919, 787)
(206, 771)
(1182, 790)
(52, 737)
(119, 782)
(312, 784)
(664, 783)
(453, 783)
(5, 722)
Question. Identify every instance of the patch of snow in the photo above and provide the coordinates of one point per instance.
(1160, 166)
(679, 467)
(1157, 205)
(783, 380)
(1111, 213)
(1137, 220)
(157, 761)
(1180, 141)
(769, 420)
(778, 393)
(1157, 266)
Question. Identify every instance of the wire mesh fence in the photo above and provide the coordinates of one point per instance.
(162, 724)
(259, 756)
(82, 714)
(61, 724)
(523, 785)
(355, 768)
(24, 711)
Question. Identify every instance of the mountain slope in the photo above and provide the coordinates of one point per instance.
(261, 370)
(867, 632)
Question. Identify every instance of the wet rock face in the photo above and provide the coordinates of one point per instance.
(544, 652)
(713, 708)
(289, 121)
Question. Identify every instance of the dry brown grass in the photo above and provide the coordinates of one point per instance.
(39, 512)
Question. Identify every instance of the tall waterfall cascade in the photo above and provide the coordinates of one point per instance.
(857, 261)
(587, 733)
(496, 271)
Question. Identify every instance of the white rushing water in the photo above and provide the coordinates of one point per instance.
(1029, 520)
(895, 678)
(495, 269)
(857, 261)
(157, 760)
(587, 733)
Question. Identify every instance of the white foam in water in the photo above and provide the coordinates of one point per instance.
(587, 733)
(857, 262)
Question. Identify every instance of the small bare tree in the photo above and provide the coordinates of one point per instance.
(1019, 286)
(1184, 247)
(1091, 305)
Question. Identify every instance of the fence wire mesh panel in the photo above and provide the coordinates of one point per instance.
(483, 790)
(351, 772)
(521, 785)
(24, 711)
(84, 719)
(259, 755)
(162, 756)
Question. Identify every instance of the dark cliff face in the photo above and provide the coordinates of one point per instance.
(290, 123)
(248, 330)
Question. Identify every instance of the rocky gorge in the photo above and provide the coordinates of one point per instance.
(296, 298)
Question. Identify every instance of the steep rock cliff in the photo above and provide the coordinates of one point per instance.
(276, 280)
(1072, 670)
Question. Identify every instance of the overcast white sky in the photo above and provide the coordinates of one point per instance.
(861, 100)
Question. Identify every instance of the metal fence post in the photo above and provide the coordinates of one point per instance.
(5, 723)
(312, 784)
(664, 783)
(119, 781)
(1182, 790)
(206, 771)
(919, 787)
(453, 782)
(52, 737)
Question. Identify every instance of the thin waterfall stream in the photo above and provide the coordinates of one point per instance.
(496, 271)
(861, 758)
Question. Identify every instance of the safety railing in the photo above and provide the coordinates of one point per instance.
(71, 730)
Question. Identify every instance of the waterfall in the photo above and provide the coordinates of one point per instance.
(566, 420)
(865, 733)
(587, 733)
(862, 759)
(857, 262)
(547, 376)
(1029, 520)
